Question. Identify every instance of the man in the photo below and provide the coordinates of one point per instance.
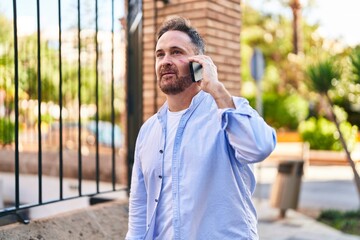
(192, 175)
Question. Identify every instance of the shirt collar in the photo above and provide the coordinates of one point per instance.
(194, 103)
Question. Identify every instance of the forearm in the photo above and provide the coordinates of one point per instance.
(221, 96)
(137, 205)
(250, 136)
(137, 219)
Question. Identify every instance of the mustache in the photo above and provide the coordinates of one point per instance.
(168, 69)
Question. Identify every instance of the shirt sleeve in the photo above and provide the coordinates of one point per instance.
(248, 134)
(137, 204)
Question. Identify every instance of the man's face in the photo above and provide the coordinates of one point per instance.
(172, 66)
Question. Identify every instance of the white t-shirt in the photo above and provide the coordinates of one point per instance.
(163, 222)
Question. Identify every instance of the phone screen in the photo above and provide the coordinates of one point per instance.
(195, 71)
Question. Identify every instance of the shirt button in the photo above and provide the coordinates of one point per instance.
(161, 151)
(160, 176)
(156, 200)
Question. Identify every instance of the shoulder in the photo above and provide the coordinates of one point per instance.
(240, 101)
(148, 124)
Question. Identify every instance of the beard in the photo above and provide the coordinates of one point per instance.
(174, 84)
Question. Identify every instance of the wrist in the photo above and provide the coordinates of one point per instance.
(222, 97)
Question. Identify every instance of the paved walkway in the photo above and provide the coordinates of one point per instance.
(317, 193)
(295, 226)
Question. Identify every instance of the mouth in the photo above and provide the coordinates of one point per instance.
(167, 74)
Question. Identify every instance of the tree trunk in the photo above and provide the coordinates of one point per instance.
(342, 140)
(297, 36)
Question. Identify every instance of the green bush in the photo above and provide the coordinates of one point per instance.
(321, 134)
(348, 221)
(7, 131)
(285, 111)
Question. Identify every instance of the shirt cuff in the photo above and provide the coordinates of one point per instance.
(226, 114)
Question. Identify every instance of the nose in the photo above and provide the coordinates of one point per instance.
(167, 60)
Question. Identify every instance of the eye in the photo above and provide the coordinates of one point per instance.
(159, 54)
(176, 52)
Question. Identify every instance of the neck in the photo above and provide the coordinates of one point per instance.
(182, 100)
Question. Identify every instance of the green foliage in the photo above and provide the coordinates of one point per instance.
(340, 113)
(273, 34)
(46, 118)
(321, 134)
(322, 74)
(7, 131)
(346, 91)
(285, 73)
(284, 111)
(28, 75)
(355, 65)
(266, 33)
(5, 29)
(348, 221)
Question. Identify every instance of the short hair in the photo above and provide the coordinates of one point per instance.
(181, 24)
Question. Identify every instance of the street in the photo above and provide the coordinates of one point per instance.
(322, 187)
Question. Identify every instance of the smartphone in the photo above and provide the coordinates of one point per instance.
(195, 71)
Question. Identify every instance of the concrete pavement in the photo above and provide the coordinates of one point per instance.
(295, 226)
(322, 187)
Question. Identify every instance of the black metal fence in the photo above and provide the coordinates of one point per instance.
(62, 101)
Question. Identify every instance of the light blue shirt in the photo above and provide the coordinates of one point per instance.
(164, 214)
(212, 177)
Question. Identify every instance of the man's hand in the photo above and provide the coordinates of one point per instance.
(210, 82)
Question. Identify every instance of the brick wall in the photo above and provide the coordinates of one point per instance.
(219, 23)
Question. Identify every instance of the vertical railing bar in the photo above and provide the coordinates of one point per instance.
(97, 96)
(60, 106)
(39, 101)
(79, 96)
(16, 76)
(39, 82)
(112, 98)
